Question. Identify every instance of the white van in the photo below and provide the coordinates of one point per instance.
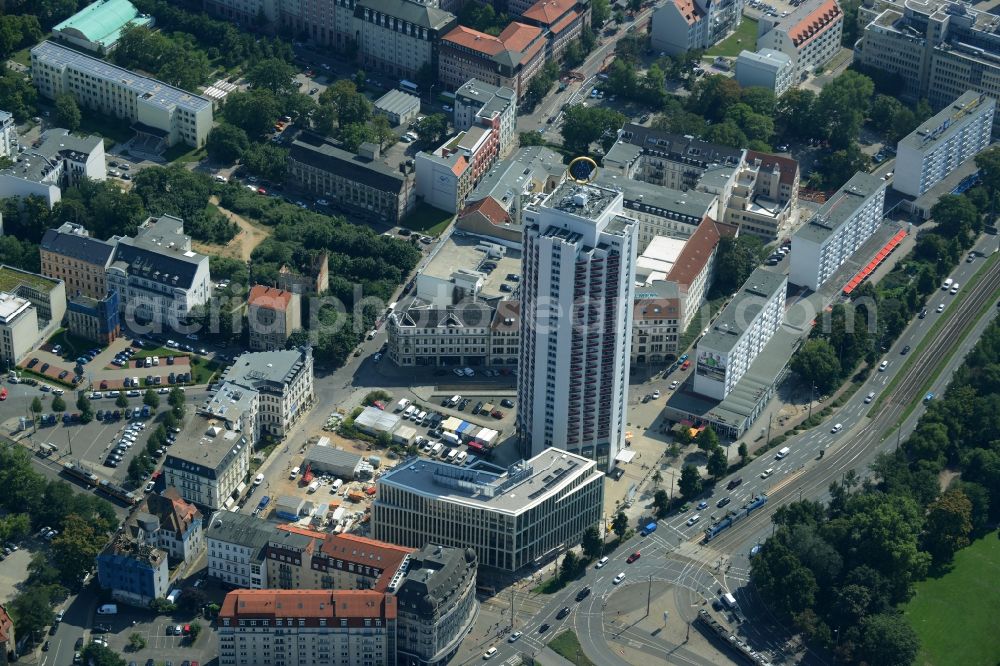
(313, 487)
(451, 438)
(730, 601)
(437, 448)
(335, 486)
(947, 285)
(402, 404)
(294, 473)
(108, 609)
(782, 453)
(409, 411)
(460, 457)
(451, 454)
(455, 399)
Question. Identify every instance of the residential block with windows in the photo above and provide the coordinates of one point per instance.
(71, 255)
(577, 287)
(740, 333)
(272, 315)
(810, 35)
(399, 37)
(837, 230)
(943, 143)
(469, 333)
(360, 185)
(237, 549)
(133, 571)
(562, 21)
(509, 60)
(486, 105)
(685, 25)
(210, 458)
(446, 176)
(59, 160)
(155, 108)
(170, 524)
(335, 627)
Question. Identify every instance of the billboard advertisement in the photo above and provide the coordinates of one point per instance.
(711, 365)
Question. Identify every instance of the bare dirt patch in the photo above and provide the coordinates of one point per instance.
(242, 245)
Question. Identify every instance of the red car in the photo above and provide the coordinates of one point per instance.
(261, 190)
(633, 557)
(687, 364)
(497, 414)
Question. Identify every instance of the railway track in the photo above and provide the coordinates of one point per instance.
(842, 458)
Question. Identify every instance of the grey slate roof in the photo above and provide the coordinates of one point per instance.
(332, 457)
(424, 16)
(161, 267)
(81, 248)
(258, 369)
(689, 206)
(323, 154)
(435, 573)
(679, 148)
(248, 531)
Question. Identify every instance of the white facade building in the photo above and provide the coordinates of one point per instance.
(60, 160)
(237, 550)
(837, 230)
(683, 25)
(8, 135)
(18, 328)
(943, 143)
(154, 107)
(208, 462)
(276, 387)
(512, 517)
(157, 275)
(577, 288)
(740, 333)
(765, 68)
(810, 35)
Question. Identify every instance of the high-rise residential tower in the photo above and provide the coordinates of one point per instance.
(577, 287)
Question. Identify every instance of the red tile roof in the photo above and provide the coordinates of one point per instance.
(519, 36)
(688, 10)
(304, 531)
(269, 297)
(563, 23)
(173, 511)
(489, 208)
(814, 22)
(460, 165)
(696, 253)
(548, 12)
(787, 165)
(308, 605)
(656, 308)
(366, 552)
(6, 627)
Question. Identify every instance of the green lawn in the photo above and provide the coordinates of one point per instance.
(550, 586)
(181, 152)
(956, 615)
(568, 645)
(73, 345)
(745, 37)
(427, 220)
(202, 371)
(111, 128)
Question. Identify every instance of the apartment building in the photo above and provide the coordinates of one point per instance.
(740, 333)
(486, 105)
(837, 230)
(765, 68)
(398, 37)
(360, 185)
(558, 496)
(760, 195)
(336, 627)
(134, 572)
(656, 319)
(938, 50)
(693, 271)
(209, 460)
(469, 333)
(446, 175)
(245, 12)
(510, 185)
(59, 160)
(272, 315)
(662, 211)
(810, 35)
(237, 550)
(32, 307)
(943, 143)
(9, 142)
(156, 275)
(278, 384)
(169, 523)
(98, 26)
(155, 108)
(46, 295)
(679, 26)
(671, 160)
(573, 367)
(562, 20)
(68, 253)
(509, 60)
